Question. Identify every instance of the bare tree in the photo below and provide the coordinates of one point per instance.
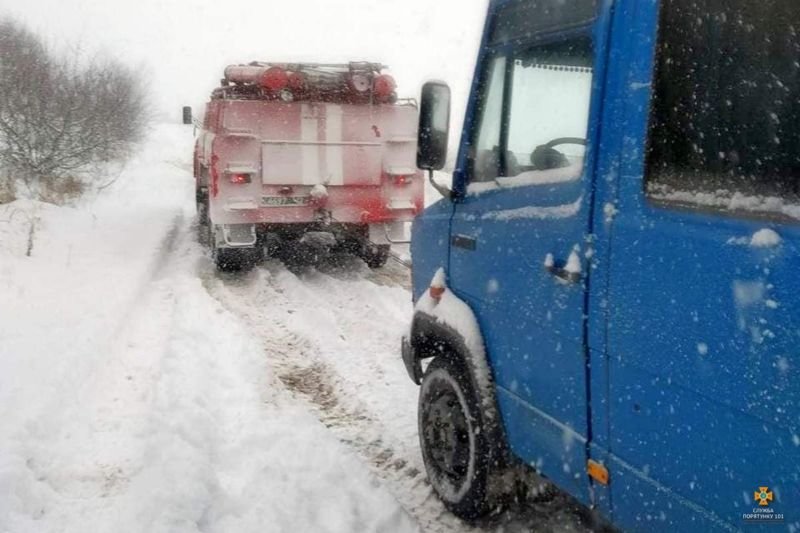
(62, 115)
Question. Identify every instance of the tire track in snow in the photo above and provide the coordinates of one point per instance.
(161, 437)
(166, 250)
(270, 299)
(263, 303)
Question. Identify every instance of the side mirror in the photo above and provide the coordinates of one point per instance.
(434, 130)
(187, 115)
(434, 126)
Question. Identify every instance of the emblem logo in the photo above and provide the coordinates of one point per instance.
(763, 496)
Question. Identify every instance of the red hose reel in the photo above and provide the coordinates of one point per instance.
(325, 82)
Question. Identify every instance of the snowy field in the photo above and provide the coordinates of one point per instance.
(140, 391)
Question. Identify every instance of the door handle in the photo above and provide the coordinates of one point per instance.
(569, 272)
(464, 241)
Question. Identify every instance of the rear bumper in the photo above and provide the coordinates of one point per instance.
(347, 205)
(351, 236)
(248, 213)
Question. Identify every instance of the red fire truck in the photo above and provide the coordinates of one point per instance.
(299, 160)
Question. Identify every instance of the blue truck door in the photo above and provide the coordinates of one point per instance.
(518, 234)
(704, 292)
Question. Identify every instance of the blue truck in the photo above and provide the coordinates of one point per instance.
(609, 291)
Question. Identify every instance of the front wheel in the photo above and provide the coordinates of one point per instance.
(454, 438)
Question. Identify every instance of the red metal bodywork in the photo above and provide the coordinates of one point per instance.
(353, 163)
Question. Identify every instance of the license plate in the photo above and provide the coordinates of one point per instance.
(284, 201)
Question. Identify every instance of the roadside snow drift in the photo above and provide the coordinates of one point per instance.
(132, 400)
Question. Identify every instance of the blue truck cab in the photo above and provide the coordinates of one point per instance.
(609, 293)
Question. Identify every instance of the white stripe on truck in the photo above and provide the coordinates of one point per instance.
(334, 152)
(310, 151)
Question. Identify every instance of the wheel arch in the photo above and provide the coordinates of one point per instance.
(430, 337)
(450, 329)
(447, 327)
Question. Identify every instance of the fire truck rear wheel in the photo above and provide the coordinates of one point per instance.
(375, 256)
(235, 259)
(203, 231)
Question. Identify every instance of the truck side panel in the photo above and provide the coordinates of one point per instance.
(701, 339)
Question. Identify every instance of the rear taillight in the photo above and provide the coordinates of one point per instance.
(239, 178)
(402, 180)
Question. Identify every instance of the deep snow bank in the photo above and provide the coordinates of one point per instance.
(130, 400)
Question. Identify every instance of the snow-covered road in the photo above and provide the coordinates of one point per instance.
(131, 400)
(332, 341)
(142, 391)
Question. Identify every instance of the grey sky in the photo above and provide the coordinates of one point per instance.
(182, 46)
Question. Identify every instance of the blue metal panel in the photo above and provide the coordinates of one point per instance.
(612, 130)
(704, 390)
(545, 443)
(430, 236)
(533, 326)
(693, 396)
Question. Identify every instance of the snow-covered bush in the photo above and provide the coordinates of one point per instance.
(62, 116)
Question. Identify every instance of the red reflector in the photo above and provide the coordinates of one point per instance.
(437, 292)
(402, 180)
(274, 79)
(240, 179)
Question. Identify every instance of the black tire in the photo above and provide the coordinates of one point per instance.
(235, 259)
(297, 254)
(202, 220)
(454, 438)
(272, 245)
(375, 256)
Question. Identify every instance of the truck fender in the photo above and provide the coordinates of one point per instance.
(448, 327)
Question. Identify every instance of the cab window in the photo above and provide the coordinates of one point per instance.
(534, 115)
(725, 119)
(549, 110)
